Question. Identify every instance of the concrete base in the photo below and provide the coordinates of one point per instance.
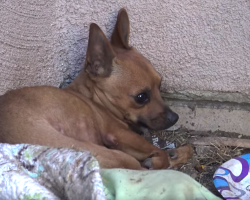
(212, 116)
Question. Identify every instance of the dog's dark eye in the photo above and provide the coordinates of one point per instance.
(142, 98)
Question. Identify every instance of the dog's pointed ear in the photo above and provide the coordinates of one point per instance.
(120, 36)
(99, 53)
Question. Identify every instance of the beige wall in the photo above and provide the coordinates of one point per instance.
(201, 47)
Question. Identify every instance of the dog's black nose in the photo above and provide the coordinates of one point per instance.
(172, 117)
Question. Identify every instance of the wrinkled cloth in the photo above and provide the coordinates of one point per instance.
(30, 172)
(122, 184)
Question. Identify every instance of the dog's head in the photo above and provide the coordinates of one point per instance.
(126, 79)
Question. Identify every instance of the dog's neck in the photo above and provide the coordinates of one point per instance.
(83, 86)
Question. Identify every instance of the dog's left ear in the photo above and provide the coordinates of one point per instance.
(120, 36)
(100, 55)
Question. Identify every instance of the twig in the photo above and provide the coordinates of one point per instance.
(200, 133)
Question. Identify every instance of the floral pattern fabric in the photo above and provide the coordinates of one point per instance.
(41, 173)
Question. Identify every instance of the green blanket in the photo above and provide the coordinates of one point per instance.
(122, 184)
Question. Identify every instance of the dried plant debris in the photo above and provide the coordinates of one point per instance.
(211, 149)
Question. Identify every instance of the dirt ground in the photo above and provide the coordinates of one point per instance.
(207, 157)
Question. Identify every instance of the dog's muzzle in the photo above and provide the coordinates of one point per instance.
(160, 122)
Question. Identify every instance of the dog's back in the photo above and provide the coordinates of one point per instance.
(23, 112)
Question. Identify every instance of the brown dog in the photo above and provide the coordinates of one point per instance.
(117, 89)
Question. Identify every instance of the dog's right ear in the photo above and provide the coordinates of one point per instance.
(120, 36)
(99, 53)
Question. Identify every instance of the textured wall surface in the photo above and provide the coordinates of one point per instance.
(197, 46)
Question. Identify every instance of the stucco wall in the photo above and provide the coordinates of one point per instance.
(201, 47)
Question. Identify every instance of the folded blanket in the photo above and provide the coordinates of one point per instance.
(30, 172)
(41, 173)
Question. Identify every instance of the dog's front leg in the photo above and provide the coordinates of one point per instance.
(135, 145)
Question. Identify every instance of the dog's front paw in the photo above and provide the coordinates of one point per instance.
(147, 163)
(180, 156)
(157, 160)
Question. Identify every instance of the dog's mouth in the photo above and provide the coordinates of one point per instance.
(142, 124)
